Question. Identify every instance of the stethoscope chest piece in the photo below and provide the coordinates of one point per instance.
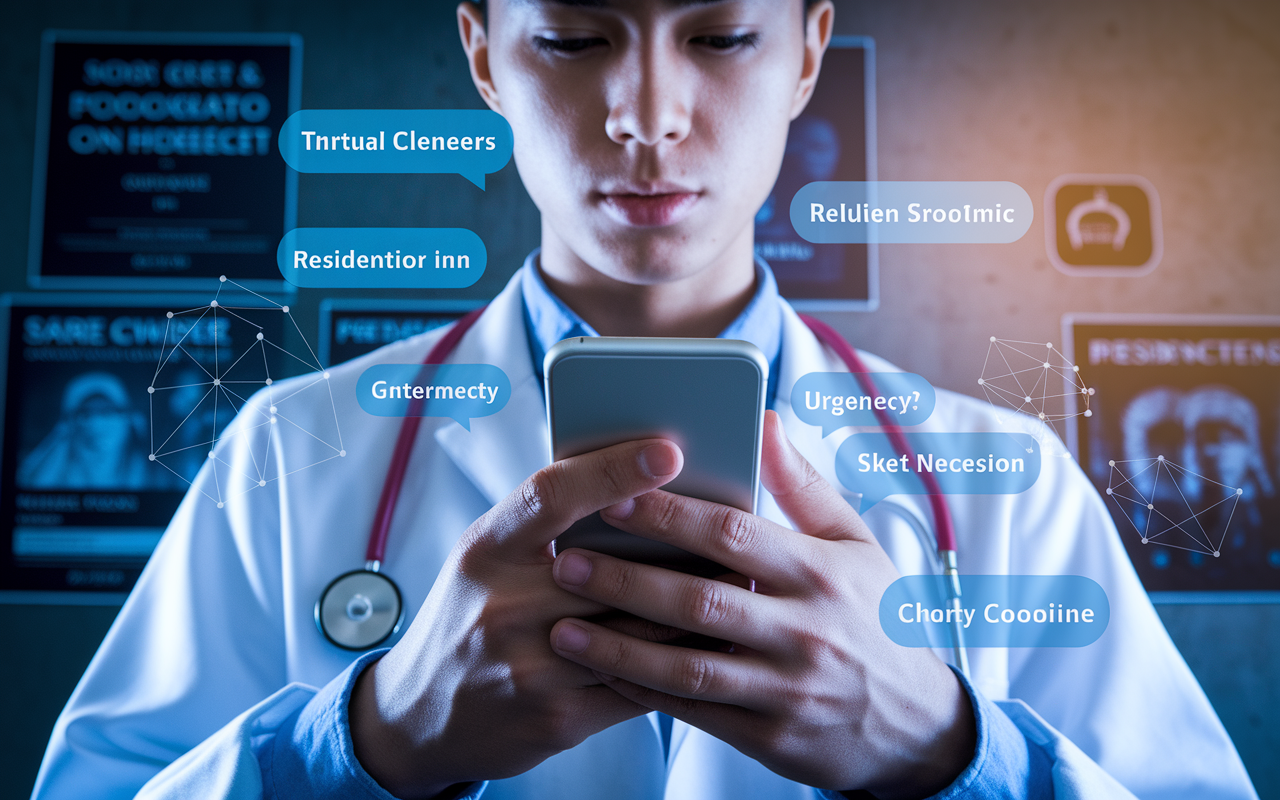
(359, 610)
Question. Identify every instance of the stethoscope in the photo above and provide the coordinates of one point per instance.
(363, 608)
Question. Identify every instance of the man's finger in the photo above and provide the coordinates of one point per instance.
(811, 503)
(737, 540)
(556, 496)
(686, 602)
(718, 719)
(693, 674)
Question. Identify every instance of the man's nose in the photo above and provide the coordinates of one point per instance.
(650, 104)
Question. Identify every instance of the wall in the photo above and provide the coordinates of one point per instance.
(1185, 93)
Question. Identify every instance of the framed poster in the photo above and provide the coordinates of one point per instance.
(351, 327)
(1184, 445)
(833, 140)
(82, 501)
(156, 163)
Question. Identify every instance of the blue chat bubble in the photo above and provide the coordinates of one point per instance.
(963, 463)
(460, 392)
(381, 258)
(996, 611)
(835, 400)
(912, 212)
(469, 142)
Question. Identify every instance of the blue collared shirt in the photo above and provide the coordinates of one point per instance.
(312, 754)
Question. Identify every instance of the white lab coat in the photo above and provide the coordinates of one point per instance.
(217, 643)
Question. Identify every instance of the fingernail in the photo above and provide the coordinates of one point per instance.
(620, 510)
(603, 677)
(659, 460)
(573, 569)
(572, 639)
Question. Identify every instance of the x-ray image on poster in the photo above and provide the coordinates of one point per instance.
(1184, 444)
(351, 327)
(833, 140)
(82, 504)
(156, 163)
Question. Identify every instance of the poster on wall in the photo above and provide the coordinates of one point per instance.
(833, 140)
(352, 327)
(1184, 446)
(156, 163)
(82, 501)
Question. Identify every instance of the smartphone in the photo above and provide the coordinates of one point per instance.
(706, 395)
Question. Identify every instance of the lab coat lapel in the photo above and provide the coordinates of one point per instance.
(503, 449)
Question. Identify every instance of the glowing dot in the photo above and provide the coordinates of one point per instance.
(213, 303)
(342, 453)
(1041, 415)
(169, 314)
(217, 381)
(273, 420)
(222, 278)
(1049, 345)
(1112, 463)
(210, 454)
(1144, 540)
(1159, 458)
(1216, 554)
(1088, 413)
(151, 390)
(1028, 399)
(151, 457)
(220, 504)
(262, 483)
(993, 338)
(1150, 507)
(259, 337)
(1046, 365)
(1075, 367)
(326, 376)
(273, 409)
(285, 309)
(1091, 391)
(1108, 490)
(268, 381)
(1239, 491)
(981, 382)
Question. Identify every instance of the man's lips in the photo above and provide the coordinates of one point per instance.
(650, 210)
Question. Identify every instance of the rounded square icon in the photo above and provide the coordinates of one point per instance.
(1105, 225)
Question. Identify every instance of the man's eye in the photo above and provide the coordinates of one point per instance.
(567, 45)
(729, 42)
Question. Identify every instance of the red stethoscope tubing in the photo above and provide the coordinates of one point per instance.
(376, 551)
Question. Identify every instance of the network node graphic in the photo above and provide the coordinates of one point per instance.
(1148, 491)
(213, 358)
(1024, 382)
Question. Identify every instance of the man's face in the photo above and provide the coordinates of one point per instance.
(648, 133)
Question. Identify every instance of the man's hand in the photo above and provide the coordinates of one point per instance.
(473, 691)
(814, 689)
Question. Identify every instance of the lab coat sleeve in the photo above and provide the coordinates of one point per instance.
(199, 640)
(296, 744)
(1126, 705)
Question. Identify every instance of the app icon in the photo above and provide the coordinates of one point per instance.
(1107, 225)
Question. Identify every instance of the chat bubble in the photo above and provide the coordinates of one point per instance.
(912, 212)
(381, 258)
(470, 142)
(460, 392)
(834, 400)
(995, 611)
(963, 463)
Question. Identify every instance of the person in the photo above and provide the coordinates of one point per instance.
(648, 134)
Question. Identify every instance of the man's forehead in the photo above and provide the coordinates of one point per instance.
(615, 3)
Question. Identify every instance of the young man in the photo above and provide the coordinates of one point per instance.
(648, 134)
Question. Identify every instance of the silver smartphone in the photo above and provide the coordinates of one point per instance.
(706, 395)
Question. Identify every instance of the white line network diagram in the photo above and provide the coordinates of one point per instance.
(1016, 378)
(1162, 514)
(211, 360)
